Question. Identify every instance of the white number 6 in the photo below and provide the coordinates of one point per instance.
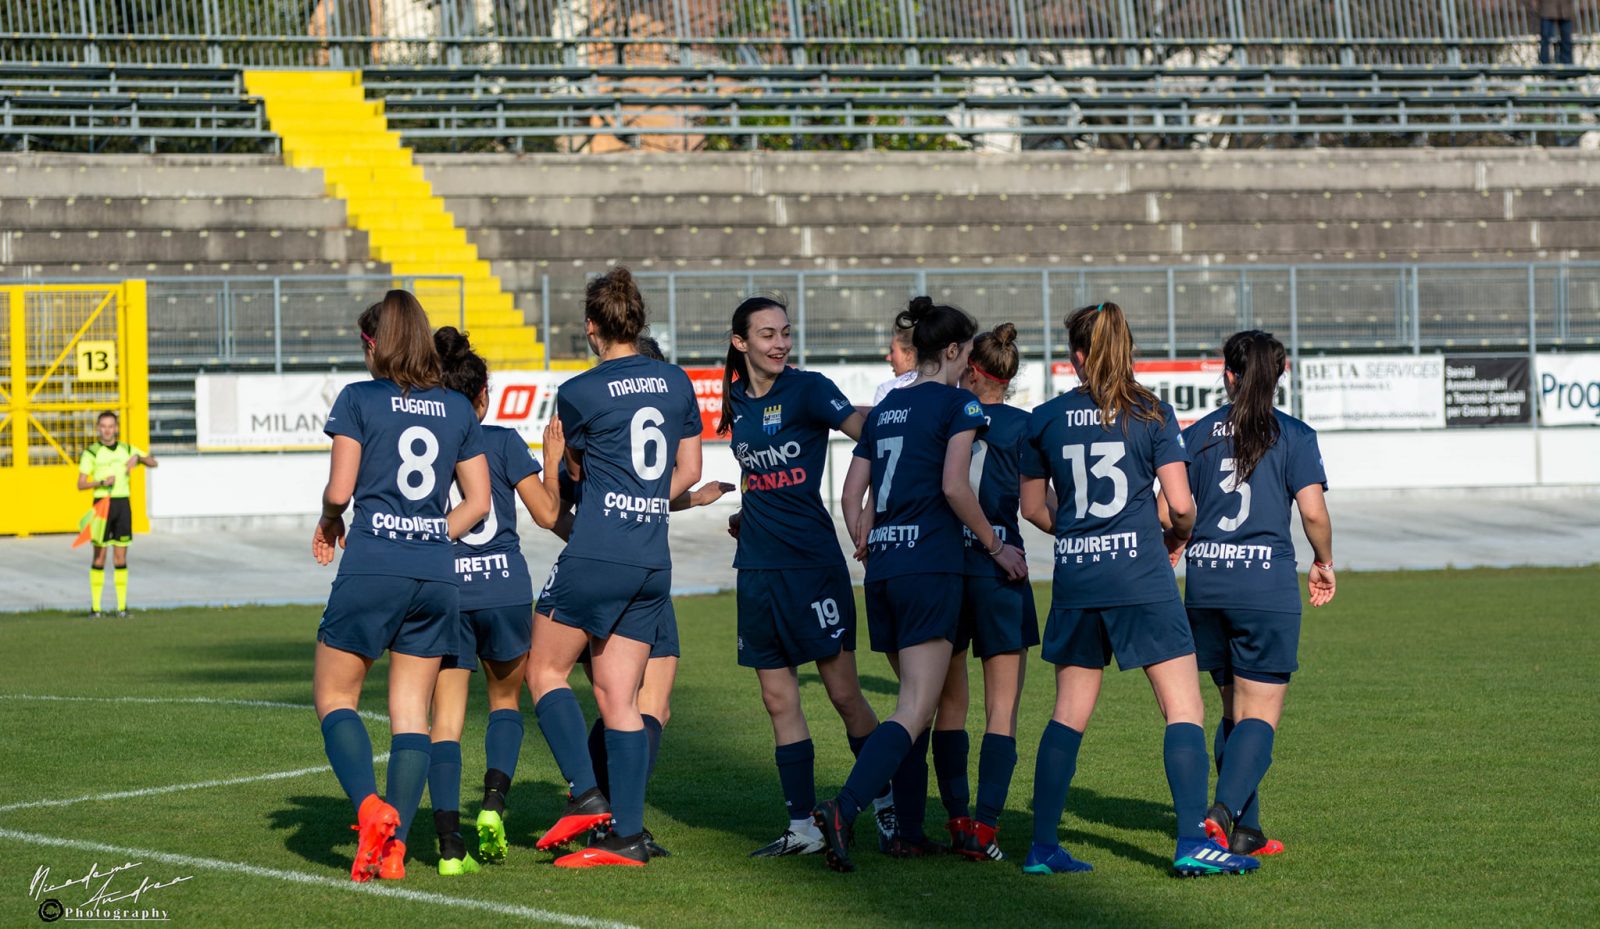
(645, 433)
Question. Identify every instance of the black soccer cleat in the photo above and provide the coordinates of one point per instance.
(902, 847)
(1219, 825)
(1247, 841)
(654, 847)
(613, 850)
(888, 826)
(582, 814)
(837, 834)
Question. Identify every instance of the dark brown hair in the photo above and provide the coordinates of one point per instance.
(401, 341)
(995, 352)
(934, 328)
(1257, 360)
(462, 370)
(649, 348)
(1101, 333)
(736, 362)
(614, 303)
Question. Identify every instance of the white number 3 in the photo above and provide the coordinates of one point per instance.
(1232, 485)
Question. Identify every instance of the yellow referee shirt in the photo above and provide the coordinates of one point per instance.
(101, 461)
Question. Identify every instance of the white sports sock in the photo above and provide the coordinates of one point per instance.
(805, 827)
(887, 799)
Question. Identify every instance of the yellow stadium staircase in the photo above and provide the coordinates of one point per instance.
(326, 122)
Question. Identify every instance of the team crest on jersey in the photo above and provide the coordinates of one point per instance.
(772, 419)
(974, 409)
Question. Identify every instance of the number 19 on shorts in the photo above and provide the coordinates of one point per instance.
(827, 612)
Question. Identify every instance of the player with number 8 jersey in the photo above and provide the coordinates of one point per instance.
(632, 428)
(396, 441)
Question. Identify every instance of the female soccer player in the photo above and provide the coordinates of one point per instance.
(496, 618)
(1250, 463)
(396, 441)
(913, 464)
(998, 618)
(902, 358)
(795, 601)
(632, 428)
(1102, 446)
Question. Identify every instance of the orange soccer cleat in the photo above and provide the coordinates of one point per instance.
(376, 822)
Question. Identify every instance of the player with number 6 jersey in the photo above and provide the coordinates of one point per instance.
(795, 601)
(1103, 446)
(1251, 464)
(397, 439)
(632, 428)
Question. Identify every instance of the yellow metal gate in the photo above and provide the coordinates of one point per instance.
(68, 352)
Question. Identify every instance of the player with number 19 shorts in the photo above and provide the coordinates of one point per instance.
(912, 468)
(1102, 446)
(795, 601)
(1251, 463)
(632, 428)
(397, 439)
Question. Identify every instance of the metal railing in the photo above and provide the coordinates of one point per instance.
(457, 32)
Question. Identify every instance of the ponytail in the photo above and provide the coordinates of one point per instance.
(401, 342)
(1257, 361)
(1102, 335)
(737, 362)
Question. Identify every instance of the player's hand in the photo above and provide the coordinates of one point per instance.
(555, 441)
(734, 521)
(1012, 561)
(328, 534)
(709, 492)
(1322, 585)
(860, 533)
(1175, 547)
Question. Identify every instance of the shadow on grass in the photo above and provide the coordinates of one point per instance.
(870, 683)
(318, 829)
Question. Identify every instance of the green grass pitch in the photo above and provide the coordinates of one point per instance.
(1436, 767)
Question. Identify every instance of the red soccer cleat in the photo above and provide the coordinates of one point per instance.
(1249, 841)
(582, 814)
(376, 822)
(612, 849)
(392, 867)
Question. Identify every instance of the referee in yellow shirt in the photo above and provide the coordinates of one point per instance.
(104, 468)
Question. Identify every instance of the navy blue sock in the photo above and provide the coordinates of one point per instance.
(502, 743)
(950, 750)
(409, 756)
(876, 763)
(1052, 775)
(1219, 741)
(797, 776)
(444, 776)
(1248, 756)
(997, 759)
(599, 761)
(1183, 751)
(857, 742)
(1250, 818)
(344, 738)
(911, 790)
(629, 761)
(561, 721)
(652, 731)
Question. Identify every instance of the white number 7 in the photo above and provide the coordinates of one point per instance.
(891, 447)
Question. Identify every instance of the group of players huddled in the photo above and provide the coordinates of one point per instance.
(943, 471)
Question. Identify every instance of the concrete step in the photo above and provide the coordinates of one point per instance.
(110, 214)
(170, 246)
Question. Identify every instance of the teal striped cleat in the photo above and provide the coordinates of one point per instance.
(1199, 857)
(1053, 859)
(491, 837)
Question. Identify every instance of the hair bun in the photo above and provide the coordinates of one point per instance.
(1005, 334)
(920, 307)
(451, 342)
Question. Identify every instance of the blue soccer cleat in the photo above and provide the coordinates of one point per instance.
(1199, 857)
(1053, 859)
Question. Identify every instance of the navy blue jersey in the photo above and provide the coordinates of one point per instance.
(1108, 549)
(1241, 554)
(489, 562)
(781, 442)
(626, 417)
(914, 531)
(997, 480)
(571, 490)
(410, 443)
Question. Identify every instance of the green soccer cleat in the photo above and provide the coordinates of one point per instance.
(455, 867)
(491, 838)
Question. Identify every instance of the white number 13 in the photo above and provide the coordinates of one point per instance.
(1107, 454)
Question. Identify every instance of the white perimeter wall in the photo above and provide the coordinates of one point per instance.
(266, 484)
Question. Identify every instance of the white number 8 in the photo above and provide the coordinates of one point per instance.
(417, 464)
(646, 434)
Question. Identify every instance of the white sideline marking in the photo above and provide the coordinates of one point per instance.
(212, 701)
(176, 788)
(375, 888)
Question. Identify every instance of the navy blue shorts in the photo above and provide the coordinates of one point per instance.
(794, 616)
(370, 613)
(912, 609)
(1139, 635)
(1254, 644)
(606, 599)
(497, 633)
(997, 616)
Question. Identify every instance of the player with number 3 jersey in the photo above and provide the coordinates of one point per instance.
(1103, 446)
(397, 439)
(1251, 464)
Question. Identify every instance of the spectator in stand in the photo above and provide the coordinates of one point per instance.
(1555, 26)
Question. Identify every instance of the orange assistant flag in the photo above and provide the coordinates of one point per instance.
(93, 523)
